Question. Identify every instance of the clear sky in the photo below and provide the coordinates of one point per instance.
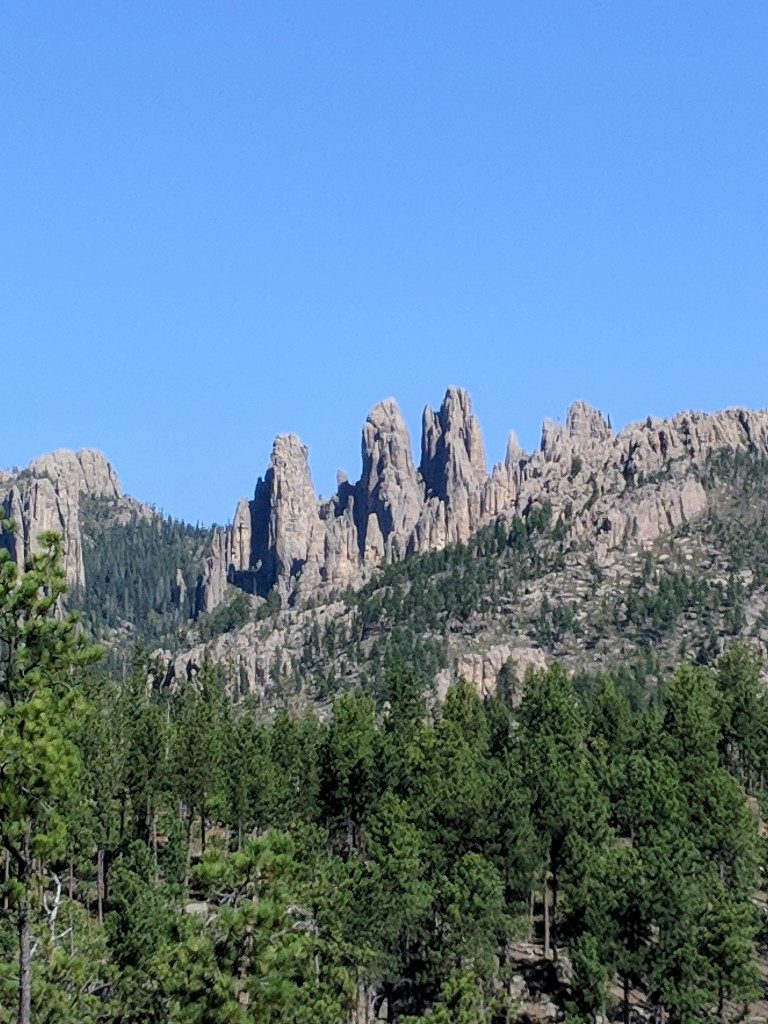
(220, 221)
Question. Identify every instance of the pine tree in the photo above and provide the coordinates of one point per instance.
(199, 741)
(143, 729)
(41, 653)
(558, 776)
(248, 777)
(730, 929)
(389, 919)
(405, 713)
(294, 746)
(136, 927)
(349, 757)
(743, 713)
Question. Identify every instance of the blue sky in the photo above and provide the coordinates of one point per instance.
(219, 221)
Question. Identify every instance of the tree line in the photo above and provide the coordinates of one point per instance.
(173, 857)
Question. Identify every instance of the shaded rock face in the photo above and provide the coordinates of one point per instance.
(219, 570)
(452, 449)
(273, 538)
(609, 489)
(453, 470)
(46, 496)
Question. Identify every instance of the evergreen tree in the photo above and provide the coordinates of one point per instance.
(405, 713)
(41, 652)
(136, 927)
(349, 756)
(294, 746)
(248, 777)
(743, 713)
(558, 779)
(144, 749)
(199, 743)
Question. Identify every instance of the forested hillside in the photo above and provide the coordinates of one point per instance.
(173, 857)
(516, 776)
(521, 591)
(142, 571)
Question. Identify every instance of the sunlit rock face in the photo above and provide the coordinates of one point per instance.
(608, 490)
(46, 496)
(611, 488)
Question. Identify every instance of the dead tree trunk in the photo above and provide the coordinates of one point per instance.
(554, 916)
(100, 884)
(6, 879)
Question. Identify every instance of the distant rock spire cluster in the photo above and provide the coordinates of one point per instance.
(288, 539)
(605, 488)
(285, 537)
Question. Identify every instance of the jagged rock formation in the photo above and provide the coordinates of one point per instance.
(389, 495)
(297, 544)
(46, 496)
(453, 470)
(605, 496)
(611, 489)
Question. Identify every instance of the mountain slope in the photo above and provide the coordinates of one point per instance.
(132, 571)
(626, 550)
(521, 592)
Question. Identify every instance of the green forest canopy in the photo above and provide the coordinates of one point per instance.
(170, 857)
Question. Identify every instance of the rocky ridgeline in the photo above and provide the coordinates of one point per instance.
(46, 496)
(609, 489)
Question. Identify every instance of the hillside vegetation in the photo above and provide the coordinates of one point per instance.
(171, 857)
(142, 571)
(524, 586)
(521, 777)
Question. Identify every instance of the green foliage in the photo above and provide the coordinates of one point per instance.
(348, 759)
(463, 1000)
(286, 969)
(42, 654)
(131, 561)
(71, 974)
(227, 617)
(387, 858)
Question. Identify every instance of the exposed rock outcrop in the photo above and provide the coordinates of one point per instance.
(296, 543)
(86, 471)
(46, 496)
(218, 571)
(483, 668)
(605, 492)
(607, 489)
(390, 495)
(453, 470)
(285, 519)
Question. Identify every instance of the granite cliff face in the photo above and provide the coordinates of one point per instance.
(46, 496)
(606, 496)
(609, 488)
